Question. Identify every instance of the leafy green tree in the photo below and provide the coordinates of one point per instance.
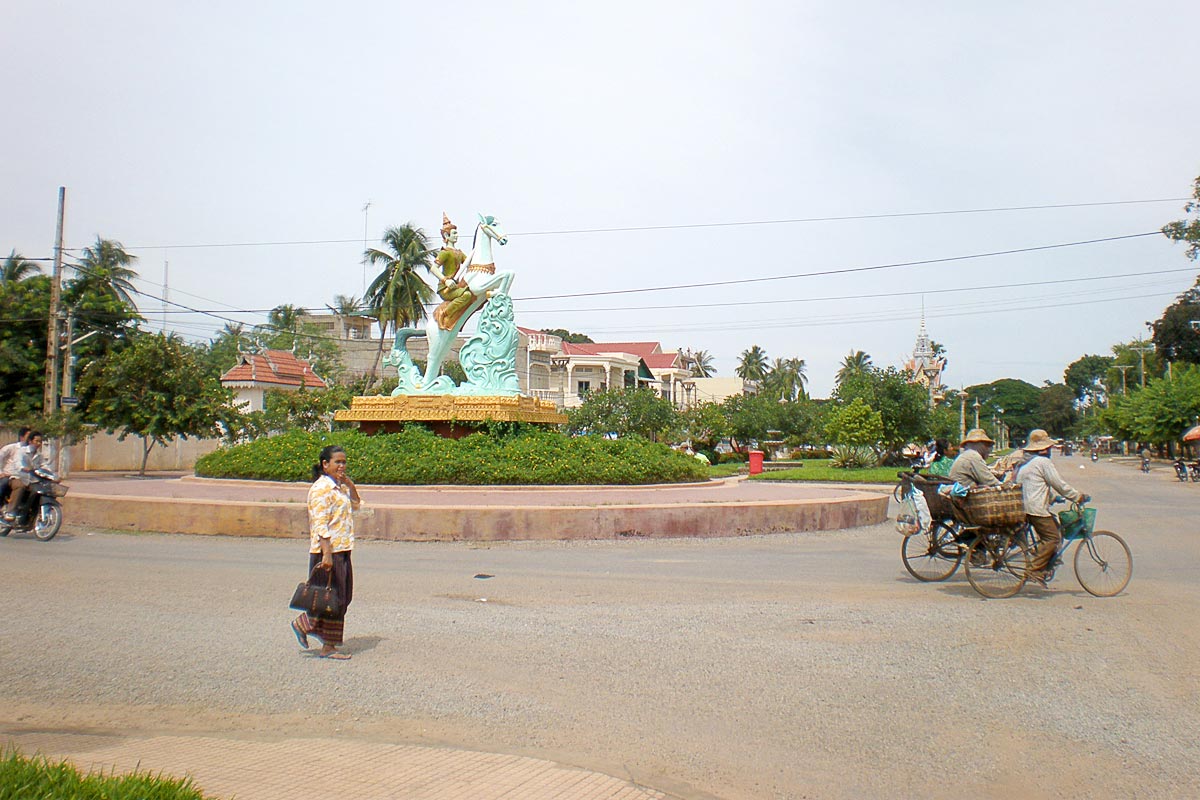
(704, 424)
(1177, 332)
(17, 268)
(283, 319)
(1161, 412)
(1086, 376)
(567, 336)
(856, 362)
(1013, 401)
(625, 412)
(24, 309)
(855, 423)
(226, 347)
(752, 364)
(1188, 230)
(1056, 409)
(156, 388)
(345, 305)
(100, 297)
(1141, 361)
(703, 364)
(397, 296)
(903, 405)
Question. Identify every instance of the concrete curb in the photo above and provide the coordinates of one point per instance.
(480, 523)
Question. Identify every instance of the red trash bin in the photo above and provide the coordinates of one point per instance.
(756, 459)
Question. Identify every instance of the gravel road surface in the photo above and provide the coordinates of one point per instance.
(783, 666)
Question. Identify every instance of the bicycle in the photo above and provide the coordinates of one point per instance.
(934, 552)
(1103, 561)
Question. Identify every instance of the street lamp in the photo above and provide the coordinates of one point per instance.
(977, 412)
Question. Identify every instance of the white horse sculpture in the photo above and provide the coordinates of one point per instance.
(479, 273)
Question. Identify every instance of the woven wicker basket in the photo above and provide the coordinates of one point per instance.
(995, 508)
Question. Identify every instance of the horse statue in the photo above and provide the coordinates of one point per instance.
(464, 293)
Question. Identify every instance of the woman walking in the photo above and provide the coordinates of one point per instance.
(331, 502)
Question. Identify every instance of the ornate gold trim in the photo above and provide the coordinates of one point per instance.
(449, 408)
(490, 269)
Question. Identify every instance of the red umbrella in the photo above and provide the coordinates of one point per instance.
(1193, 435)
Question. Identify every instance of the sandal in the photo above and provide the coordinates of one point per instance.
(301, 636)
(335, 655)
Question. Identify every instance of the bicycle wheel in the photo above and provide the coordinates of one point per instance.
(932, 555)
(997, 563)
(1103, 564)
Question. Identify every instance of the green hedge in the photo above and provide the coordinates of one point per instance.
(24, 778)
(417, 456)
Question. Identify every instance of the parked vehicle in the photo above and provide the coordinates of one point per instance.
(1194, 471)
(39, 511)
(1181, 470)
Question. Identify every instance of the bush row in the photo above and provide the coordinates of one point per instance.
(417, 456)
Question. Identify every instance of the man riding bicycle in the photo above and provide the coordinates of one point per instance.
(1040, 485)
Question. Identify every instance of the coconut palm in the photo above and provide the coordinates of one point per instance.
(284, 318)
(855, 362)
(787, 378)
(702, 366)
(104, 270)
(345, 305)
(398, 295)
(752, 364)
(17, 268)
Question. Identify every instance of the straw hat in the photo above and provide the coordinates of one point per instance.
(978, 435)
(1039, 440)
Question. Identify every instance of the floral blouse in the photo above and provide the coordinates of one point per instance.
(330, 516)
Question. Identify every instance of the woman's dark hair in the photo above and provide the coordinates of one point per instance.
(940, 446)
(326, 456)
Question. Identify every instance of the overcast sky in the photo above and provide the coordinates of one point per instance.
(226, 123)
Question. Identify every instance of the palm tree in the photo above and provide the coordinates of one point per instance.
(752, 364)
(854, 363)
(104, 269)
(284, 318)
(17, 268)
(787, 378)
(345, 305)
(702, 366)
(398, 295)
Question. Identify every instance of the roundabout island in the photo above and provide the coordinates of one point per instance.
(728, 507)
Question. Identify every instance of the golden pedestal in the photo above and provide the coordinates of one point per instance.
(448, 415)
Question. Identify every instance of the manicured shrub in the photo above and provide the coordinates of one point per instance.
(524, 456)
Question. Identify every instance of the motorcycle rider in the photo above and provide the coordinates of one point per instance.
(1040, 484)
(10, 457)
(30, 459)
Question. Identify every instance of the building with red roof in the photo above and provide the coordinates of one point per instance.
(255, 373)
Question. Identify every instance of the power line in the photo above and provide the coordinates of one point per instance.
(694, 225)
(845, 270)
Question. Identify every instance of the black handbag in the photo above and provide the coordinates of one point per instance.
(317, 600)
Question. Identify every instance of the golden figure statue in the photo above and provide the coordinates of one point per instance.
(456, 297)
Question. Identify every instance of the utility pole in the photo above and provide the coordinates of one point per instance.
(364, 255)
(68, 390)
(1142, 349)
(1123, 367)
(50, 395)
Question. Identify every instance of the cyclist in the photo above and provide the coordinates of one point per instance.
(970, 469)
(1040, 484)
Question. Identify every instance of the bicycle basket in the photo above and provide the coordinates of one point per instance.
(995, 508)
(1075, 525)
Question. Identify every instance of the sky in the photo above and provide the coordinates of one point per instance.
(632, 149)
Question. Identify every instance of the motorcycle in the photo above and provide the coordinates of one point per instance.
(1095, 456)
(1181, 470)
(1145, 465)
(39, 511)
(1194, 470)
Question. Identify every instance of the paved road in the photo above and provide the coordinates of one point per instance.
(786, 666)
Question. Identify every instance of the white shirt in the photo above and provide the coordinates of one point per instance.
(10, 458)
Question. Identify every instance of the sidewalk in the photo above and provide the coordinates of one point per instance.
(238, 769)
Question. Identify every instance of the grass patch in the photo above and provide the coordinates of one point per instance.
(821, 470)
(525, 456)
(725, 470)
(23, 778)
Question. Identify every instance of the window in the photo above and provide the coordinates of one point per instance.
(584, 387)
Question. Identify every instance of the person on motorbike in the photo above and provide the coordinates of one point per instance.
(1040, 485)
(30, 459)
(10, 456)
